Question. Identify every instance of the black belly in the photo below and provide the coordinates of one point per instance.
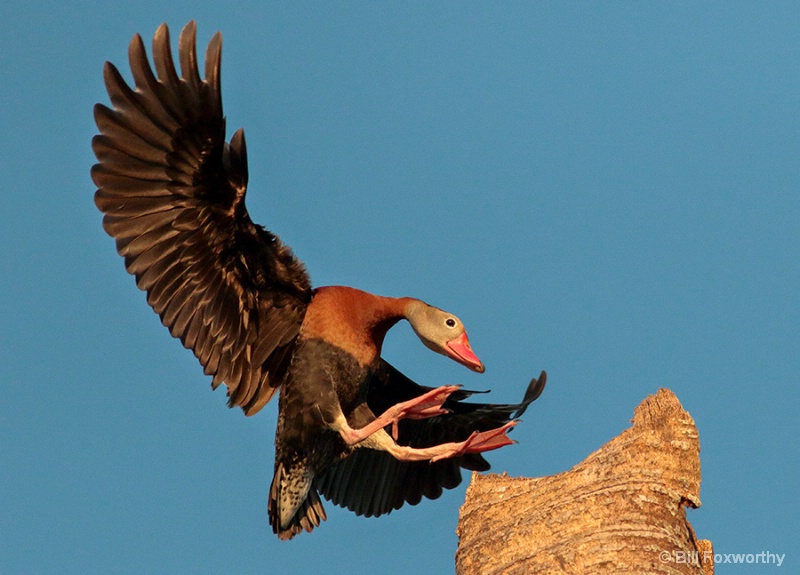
(323, 382)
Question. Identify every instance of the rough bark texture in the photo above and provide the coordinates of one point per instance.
(622, 510)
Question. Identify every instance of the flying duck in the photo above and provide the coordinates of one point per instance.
(351, 427)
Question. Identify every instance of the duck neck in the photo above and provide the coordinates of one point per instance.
(388, 312)
(357, 319)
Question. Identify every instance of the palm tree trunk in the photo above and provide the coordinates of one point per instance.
(621, 510)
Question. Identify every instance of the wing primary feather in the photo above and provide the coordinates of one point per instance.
(212, 73)
(162, 58)
(187, 52)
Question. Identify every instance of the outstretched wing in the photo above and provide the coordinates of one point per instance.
(371, 482)
(172, 191)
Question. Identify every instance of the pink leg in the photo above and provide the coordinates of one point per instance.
(478, 442)
(422, 407)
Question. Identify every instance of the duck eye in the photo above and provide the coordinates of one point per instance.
(450, 322)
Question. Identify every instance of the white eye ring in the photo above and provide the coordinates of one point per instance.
(450, 322)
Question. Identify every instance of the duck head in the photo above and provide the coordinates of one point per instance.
(443, 333)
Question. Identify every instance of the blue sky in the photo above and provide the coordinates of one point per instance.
(608, 191)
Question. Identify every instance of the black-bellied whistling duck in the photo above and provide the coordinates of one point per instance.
(350, 426)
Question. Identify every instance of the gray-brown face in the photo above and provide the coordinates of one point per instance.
(443, 333)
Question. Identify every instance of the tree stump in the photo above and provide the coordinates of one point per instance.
(621, 510)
